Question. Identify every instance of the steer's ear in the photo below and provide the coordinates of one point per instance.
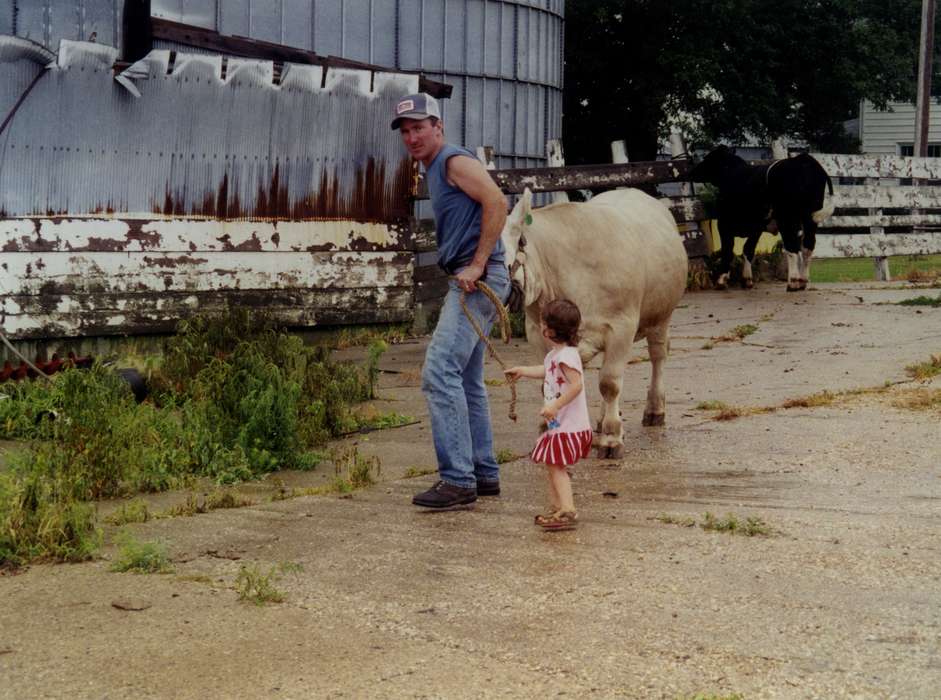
(526, 207)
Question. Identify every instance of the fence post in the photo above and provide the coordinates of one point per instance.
(881, 262)
(778, 149)
(555, 159)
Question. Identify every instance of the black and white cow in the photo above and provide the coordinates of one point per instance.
(788, 196)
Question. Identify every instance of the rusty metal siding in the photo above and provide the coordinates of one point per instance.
(216, 186)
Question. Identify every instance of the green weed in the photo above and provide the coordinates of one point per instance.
(730, 523)
(353, 470)
(744, 331)
(924, 371)
(254, 586)
(503, 456)
(141, 557)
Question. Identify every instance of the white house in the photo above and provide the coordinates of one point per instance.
(892, 132)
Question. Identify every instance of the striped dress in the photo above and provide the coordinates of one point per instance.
(569, 438)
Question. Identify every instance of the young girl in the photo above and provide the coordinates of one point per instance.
(568, 437)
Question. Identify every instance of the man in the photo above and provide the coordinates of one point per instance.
(470, 211)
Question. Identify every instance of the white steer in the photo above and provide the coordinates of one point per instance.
(620, 258)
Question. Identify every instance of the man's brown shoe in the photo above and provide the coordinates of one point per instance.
(445, 495)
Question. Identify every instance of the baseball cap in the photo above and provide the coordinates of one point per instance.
(418, 106)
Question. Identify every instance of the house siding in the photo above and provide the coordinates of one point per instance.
(883, 131)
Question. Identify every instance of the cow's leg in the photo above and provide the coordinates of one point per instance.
(658, 346)
(727, 252)
(617, 348)
(808, 242)
(748, 256)
(791, 241)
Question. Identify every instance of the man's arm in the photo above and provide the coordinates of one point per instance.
(471, 177)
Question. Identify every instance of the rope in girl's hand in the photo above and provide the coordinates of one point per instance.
(504, 321)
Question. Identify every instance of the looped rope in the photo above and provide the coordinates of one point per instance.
(504, 321)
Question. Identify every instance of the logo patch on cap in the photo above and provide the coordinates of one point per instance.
(404, 106)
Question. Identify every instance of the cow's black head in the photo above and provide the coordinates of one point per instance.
(715, 166)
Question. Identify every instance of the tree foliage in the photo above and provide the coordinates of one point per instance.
(730, 68)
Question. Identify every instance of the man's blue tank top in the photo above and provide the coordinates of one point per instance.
(457, 216)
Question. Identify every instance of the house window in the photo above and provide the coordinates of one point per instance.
(908, 149)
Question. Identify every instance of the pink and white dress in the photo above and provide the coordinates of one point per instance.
(564, 445)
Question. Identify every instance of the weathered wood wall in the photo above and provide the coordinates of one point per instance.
(131, 196)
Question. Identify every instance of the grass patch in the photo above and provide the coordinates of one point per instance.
(494, 382)
(503, 456)
(134, 512)
(922, 301)
(821, 398)
(921, 399)
(414, 472)
(750, 527)
(711, 406)
(915, 267)
(141, 557)
(233, 398)
(924, 371)
(675, 520)
(196, 504)
(255, 586)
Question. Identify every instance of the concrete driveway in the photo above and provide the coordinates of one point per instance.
(841, 599)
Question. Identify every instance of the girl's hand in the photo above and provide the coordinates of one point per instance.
(549, 411)
(513, 373)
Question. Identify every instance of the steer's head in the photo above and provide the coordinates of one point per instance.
(714, 167)
(514, 230)
(520, 246)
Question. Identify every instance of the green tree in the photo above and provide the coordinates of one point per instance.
(730, 68)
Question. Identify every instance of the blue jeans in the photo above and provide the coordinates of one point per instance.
(453, 384)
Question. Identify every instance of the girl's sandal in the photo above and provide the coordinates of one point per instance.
(566, 520)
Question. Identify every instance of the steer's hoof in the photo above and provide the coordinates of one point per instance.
(613, 452)
(803, 285)
(747, 284)
(721, 286)
(794, 287)
(654, 419)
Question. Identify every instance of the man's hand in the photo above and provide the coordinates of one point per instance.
(467, 278)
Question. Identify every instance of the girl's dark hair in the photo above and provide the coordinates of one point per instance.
(562, 318)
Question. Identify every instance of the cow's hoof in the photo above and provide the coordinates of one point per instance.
(747, 284)
(721, 286)
(654, 419)
(795, 288)
(803, 285)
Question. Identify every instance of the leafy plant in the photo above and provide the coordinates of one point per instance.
(141, 557)
(254, 586)
(923, 371)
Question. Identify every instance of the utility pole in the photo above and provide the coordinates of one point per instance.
(925, 62)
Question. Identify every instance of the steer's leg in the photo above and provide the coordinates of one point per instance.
(790, 239)
(748, 255)
(808, 242)
(617, 350)
(727, 245)
(658, 346)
